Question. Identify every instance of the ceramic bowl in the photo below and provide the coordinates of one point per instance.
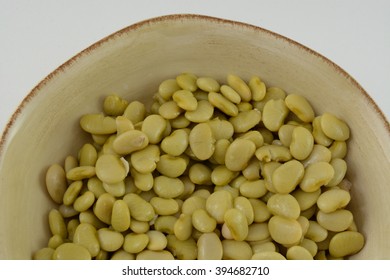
(132, 62)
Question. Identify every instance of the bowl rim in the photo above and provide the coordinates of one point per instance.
(179, 17)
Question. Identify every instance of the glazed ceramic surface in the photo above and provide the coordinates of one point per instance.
(132, 63)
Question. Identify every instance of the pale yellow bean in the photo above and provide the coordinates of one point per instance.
(209, 247)
(252, 171)
(285, 231)
(274, 114)
(340, 169)
(154, 127)
(263, 246)
(306, 199)
(71, 227)
(260, 210)
(237, 223)
(167, 88)
(180, 121)
(55, 241)
(244, 121)
(218, 203)
(304, 222)
(221, 147)
(310, 246)
(96, 186)
(201, 141)
(268, 256)
(90, 218)
(316, 175)
(157, 240)
(176, 143)
(143, 181)
(57, 224)
(56, 183)
(203, 112)
(43, 254)
(239, 153)
(267, 169)
(230, 94)
(222, 129)
(103, 207)
(208, 84)
(70, 162)
(144, 161)
(333, 199)
(334, 127)
(167, 187)
(236, 250)
(123, 124)
(155, 255)
(85, 235)
(200, 174)
(120, 216)
(110, 169)
(239, 86)
(269, 153)
(346, 243)
(285, 134)
(98, 124)
(185, 100)
(221, 175)
(122, 255)
(109, 240)
(139, 227)
(319, 153)
(140, 209)
(300, 107)
(287, 176)
(67, 211)
(302, 142)
(193, 203)
(316, 232)
(169, 110)
(223, 104)
(243, 204)
(318, 133)
(267, 135)
(284, 205)
(183, 227)
(255, 136)
(164, 206)
(84, 201)
(87, 155)
(187, 81)
(234, 192)
(202, 221)
(165, 224)
(253, 189)
(171, 166)
(72, 192)
(298, 253)
(257, 232)
(338, 149)
(336, 221)
(114, 105)
(80, 173)
(257, 88)
(71, 251)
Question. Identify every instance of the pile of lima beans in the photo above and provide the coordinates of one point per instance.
(211, 170)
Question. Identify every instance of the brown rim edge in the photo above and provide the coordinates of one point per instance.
(150, 21)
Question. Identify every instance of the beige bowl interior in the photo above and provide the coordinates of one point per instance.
(131, 63)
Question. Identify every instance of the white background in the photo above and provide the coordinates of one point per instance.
(37, 36)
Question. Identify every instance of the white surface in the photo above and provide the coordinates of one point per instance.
(38, 36)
